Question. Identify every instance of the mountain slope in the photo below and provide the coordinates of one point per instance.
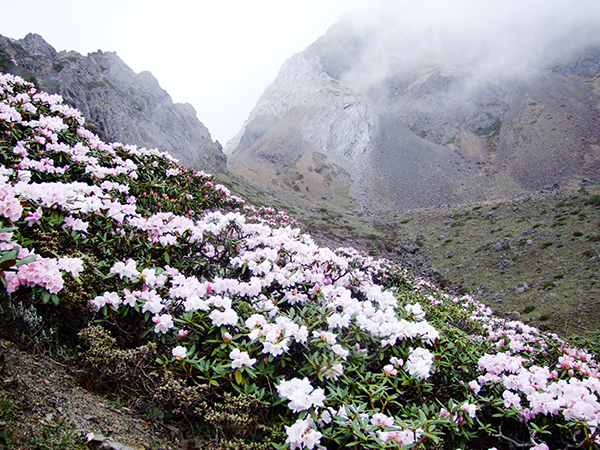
(118, 104)
(420, 132)
(173, 297)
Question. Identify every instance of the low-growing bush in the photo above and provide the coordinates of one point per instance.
(230, 318)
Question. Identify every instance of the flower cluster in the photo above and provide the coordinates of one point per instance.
(241, 298)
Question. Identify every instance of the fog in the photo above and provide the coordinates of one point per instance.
(501, 38)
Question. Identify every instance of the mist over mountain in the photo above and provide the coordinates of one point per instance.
(119, 105)
(415, 106)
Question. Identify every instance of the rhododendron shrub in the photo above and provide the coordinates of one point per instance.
(329, 348)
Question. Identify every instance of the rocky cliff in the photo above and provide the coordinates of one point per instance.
(419, 133)
(118, 104)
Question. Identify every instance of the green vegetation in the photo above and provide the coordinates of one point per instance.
(168, 293)
(568, 260)
(95, 84)
(475, 267)
(593, 200)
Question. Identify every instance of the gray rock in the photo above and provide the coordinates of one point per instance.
(502, 245)
(513, 315)
(419, 134)
(408, 246)
(335, 120)
(118, 104)
(112, 445)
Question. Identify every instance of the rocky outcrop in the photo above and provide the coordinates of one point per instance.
(406, 135)
(306, 121)
(118, 104)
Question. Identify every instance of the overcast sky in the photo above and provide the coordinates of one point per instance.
(218, 55)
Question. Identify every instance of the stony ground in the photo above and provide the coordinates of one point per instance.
(43, 405)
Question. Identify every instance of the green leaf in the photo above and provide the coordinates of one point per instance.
(46, 296)
(26, 260)
(9, 258)
(239, 378)
(7, 263)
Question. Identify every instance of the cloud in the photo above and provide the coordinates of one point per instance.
(499, 38)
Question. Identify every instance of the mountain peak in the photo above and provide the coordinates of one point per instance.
(118, 104)
(35, 44)
(413, 130)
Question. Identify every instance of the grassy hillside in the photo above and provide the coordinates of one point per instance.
(228, 325)
(537, 256)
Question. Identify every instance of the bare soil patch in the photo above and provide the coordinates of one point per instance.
(43, 406)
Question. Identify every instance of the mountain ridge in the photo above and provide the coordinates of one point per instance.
(119, 105)
(425, 134)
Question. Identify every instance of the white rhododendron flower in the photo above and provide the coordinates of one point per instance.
(419, 362)
(72, 265)
(164, 322)
(302, 435)
(240, 359)
(179, 352)
(301, 394)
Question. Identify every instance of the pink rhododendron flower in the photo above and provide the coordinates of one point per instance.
(12, 282)
(389, 369)
(108, 298)
(445, 413)
(332, 372)
(10, 206)
(474, 386)
(541, 446)
(340, 351)
(33, 218)
(469, 408)
(511, 399)
(76, 224)
(381, 420)
(41, 272)
(182, 333)
(402, 437)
